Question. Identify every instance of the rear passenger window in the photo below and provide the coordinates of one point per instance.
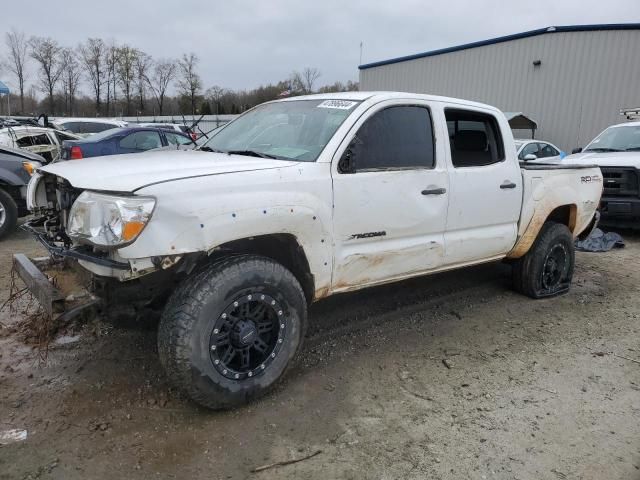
(474, 138)
(396, 137)
(144, 140)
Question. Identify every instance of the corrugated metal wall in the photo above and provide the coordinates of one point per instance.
(584, 79)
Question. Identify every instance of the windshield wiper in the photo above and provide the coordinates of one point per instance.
(204, 148)
(602, 149)
(632, 149)
(251, 153)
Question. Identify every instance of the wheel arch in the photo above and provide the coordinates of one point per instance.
(284, 248)
(563, 214)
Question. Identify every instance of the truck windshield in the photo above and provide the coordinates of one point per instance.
(616, 139)
(289, 130)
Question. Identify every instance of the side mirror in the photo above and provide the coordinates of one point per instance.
(530, 156)
(576, 150)
(347, 163)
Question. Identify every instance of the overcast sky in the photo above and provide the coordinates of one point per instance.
(243, 44)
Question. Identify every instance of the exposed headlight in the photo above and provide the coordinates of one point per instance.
(31, 167)
(108, 220)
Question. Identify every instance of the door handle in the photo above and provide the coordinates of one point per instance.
(508, 184)
(434, 191)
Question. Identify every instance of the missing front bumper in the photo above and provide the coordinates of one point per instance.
(51, 298)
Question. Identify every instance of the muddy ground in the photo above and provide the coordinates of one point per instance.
(448, 377)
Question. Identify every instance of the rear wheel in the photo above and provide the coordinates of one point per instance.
(229, 333)
(547, 268)
(8, 213)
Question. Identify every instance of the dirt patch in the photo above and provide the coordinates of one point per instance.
(451, 376)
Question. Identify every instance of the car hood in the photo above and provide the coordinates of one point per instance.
(128, 173)
(605, 159)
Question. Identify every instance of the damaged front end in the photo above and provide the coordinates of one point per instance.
(71, 224)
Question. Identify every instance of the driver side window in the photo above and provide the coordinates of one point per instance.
(393, 138)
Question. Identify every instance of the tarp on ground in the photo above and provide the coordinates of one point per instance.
(599, 241)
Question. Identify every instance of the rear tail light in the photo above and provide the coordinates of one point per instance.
(76, 153)
(194, 137)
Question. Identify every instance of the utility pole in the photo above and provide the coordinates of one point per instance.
(360, 52)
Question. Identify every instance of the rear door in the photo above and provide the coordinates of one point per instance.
(486, 187)
(390, 196)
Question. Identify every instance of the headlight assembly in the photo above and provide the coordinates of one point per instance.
(108, 220)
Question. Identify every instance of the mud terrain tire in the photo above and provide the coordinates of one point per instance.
(547, 268)
(231, 331)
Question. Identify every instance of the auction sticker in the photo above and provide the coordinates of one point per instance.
(339, 104)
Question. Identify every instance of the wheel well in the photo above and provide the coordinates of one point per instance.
(566, 215)
(281, 247)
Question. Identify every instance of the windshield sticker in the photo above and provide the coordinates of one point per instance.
(339, 104)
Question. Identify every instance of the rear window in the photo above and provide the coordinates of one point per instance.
(176, 139)
(31, 140)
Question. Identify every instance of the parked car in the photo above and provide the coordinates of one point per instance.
(16, 168)
(299, 199)
(172, 126)
(123, 140)
(87, 126)
(538, 151)
(46, 142)
(617, 152)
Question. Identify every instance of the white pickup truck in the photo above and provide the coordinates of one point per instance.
(296, 200)
(617, 152)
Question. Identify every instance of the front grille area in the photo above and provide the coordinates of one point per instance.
(620, 181)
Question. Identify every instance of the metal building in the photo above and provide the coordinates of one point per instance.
(572, 80)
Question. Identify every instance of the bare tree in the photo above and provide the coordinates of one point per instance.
(141, 66)
(189, 81)
(46, 52)
(215, 94)
(111, 58)
(163, 73)
(303, 81)
(17, 59)
(92, 54)
(126, 72)
(70, 78)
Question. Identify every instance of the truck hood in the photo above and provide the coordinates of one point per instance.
(128, 173)
(605, 159)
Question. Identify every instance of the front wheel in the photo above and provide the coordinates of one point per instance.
(228, 334)
(547, 268)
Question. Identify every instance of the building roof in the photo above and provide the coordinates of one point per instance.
(507, 38)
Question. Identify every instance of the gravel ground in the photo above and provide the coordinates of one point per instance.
(453, 376)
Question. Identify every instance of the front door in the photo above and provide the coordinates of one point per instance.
(390, 197)
(486, 188)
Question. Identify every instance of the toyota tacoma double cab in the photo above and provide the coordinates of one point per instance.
(296, 200)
